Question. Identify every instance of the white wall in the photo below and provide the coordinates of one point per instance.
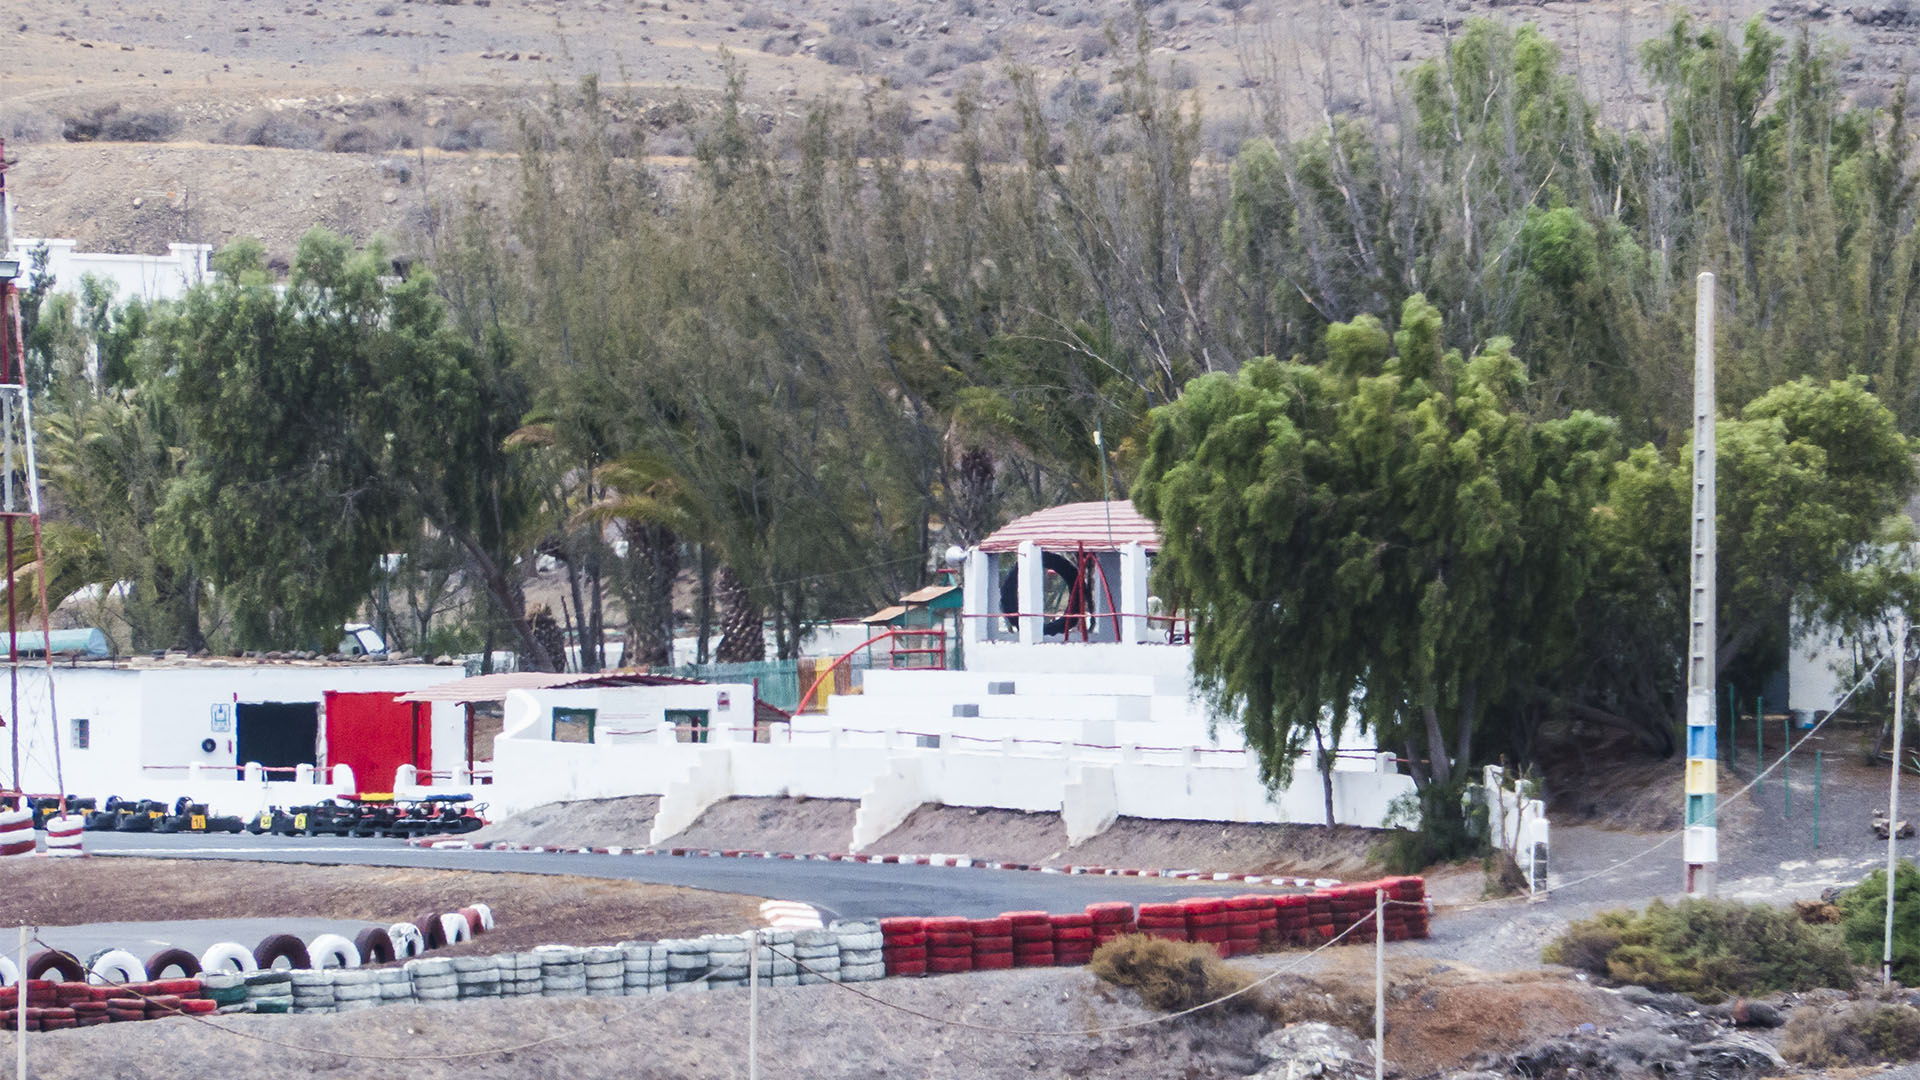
(147, 723)
(143, 277)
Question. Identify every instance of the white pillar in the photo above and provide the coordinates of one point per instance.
(977, 590)
(1700, 842)
(1133, 594)
(1033, 592)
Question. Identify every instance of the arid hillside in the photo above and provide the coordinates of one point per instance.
(133, 125)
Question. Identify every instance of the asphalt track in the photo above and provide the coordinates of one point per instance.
(838, 889)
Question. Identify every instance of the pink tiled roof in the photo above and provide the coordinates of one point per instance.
(1099, 526)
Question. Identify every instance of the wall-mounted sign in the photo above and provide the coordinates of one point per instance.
(723, 701)
(222, 717)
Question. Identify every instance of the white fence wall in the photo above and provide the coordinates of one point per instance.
(142, 277)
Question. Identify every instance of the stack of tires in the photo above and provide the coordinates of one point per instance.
(1207, 920)
(226, 989)
(643, 967)
(1290, 919)
(16, 838)
(354, 989)
(432, 979)
(1111, 920)
(1032, 933)
(727, 960)
(686, 963)
(949, 944)
(270, 991)
(1072, 938)
(775, 958)
(476, 976)
(1248, 917)
(1168, 921)
(605, 970)
(1406, 907)
(563, 971)
(905, 943)
(862, 949)
(395, 985)
(992, 944)
(312, 991)
(64, 835)
(520, 974)
(817, 953)
(1320, 918)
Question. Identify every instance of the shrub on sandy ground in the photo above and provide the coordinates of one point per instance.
(1863, 915)
(1173, 975)
(1856, 1033)
(1707, 948)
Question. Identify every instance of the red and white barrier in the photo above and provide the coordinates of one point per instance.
(64, 835)
(16, 832)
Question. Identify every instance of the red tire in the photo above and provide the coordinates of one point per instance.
(54, 962)
(375, 945)
(159, 962)
(432, 931)
(282, 947)
(472, 915)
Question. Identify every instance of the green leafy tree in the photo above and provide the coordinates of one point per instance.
(1387, 536)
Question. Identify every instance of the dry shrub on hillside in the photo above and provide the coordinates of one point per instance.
(1173, 976)
(1856, 1033)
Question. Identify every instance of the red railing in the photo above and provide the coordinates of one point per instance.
(800, 706)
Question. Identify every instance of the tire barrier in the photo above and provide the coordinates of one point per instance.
(115, 966)
(486, 917)
(160, 962)
(375, 946)
(846, 950)
(278, 947)
(55, 962)
(433, 930)
(408, 942)
(455, 929)
(228, 956)
(16, 836)
(64, 835)
(332, 951)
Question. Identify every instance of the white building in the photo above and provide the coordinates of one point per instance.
(1074, 696)
(237, 733)
(133, 277)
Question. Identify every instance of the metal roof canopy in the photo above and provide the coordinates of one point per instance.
(1095, 526)
(495, 687)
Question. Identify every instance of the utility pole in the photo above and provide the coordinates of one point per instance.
(1893, 784)
(1701, 845)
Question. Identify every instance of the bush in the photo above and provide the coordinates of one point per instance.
(1863, 920)
(1709, 949)
(1857, 1033)
(1432, 827)
(1172, 976)
(840, 51)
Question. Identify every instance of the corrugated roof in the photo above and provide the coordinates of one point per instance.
(1101, 526)
(495, 687)
(885, 615)
(928, 594)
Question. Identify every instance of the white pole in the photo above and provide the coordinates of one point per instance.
(1700, 843)
(20, 1037)
(1893, 785)
(753, 1005)
(1379, 984)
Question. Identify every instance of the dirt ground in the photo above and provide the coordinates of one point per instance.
(530, 909)
(984, 833)
(1308, 850)
(804, 826)
(829, 1032)
(623, 822)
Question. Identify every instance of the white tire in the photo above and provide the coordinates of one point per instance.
(9, 972)
(332, 951)
(408, 942)
(454, 925)
(116, 967)
(228, 956)
(486, 915)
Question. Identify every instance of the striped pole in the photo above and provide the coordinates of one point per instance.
(1701, 844)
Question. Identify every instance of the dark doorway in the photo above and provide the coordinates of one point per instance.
(278, 735)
